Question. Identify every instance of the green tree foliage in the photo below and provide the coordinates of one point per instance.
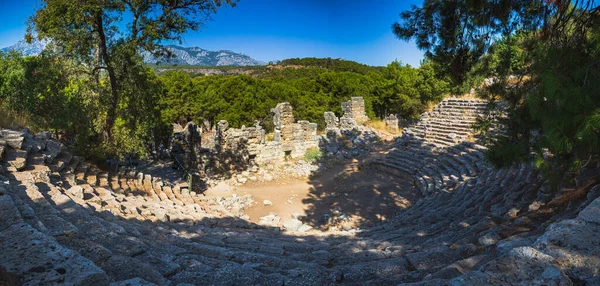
(401, 89)
(556, 112)
(329, 64)
(457, 33)
(103, 39)
(543, 57)
(241, 99)
(39, 87)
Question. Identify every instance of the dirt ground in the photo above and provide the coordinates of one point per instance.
(361, 194)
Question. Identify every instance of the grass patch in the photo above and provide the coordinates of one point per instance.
(312, 154)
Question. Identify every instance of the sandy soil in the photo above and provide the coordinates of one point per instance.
(364, 194)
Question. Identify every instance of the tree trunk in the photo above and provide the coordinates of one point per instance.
(114, 85)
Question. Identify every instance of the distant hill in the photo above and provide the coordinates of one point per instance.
(33, 49)
(183, 56)
(200, 57)
(329, 64)
(277, 68)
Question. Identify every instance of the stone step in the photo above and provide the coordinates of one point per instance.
(17, 159)
(41, 260)
(91, 176)
(80, 174)
(61, 162)
(45, 213)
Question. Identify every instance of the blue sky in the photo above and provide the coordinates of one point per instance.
(358, 30)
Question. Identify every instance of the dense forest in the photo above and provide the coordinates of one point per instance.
(310, 88)
(91, 85)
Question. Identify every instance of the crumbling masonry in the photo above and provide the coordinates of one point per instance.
(290, 138)
(236, 150)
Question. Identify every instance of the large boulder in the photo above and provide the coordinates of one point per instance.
(12, 138)
(53, 148)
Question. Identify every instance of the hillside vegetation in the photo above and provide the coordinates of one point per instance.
(540, 57)
(312, 90)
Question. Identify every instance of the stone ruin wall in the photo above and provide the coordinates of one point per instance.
(391, 122)
(237, 149)
(290, 137)
(354, 113)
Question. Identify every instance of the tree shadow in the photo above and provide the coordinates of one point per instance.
(410, 247)
(378, 186)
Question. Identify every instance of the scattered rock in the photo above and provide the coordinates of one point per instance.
(305, 228)
(292, 224)
(489, 239)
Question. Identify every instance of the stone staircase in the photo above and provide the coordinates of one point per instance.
(451, 121)
(66, 221)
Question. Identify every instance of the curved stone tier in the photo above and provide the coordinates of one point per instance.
(65, 221)
(451, 121)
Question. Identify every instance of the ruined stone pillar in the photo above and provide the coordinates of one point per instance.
(354, 113)
(283, 119)
(357, 105)
(221, 135)
(193, 162)
(331, 121)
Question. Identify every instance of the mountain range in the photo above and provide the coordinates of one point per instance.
(182, 56)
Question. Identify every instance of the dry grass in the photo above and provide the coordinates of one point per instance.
(380, 125)
(10, 118)
(430, 105)
(269, 137)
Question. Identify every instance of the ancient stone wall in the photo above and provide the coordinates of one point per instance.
(242, 148)
(391, 122)
(331, 121)
(354, 113)
(355, 109)
(187, 150)
(283, 120)
(290, 138)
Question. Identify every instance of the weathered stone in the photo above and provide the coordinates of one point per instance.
(9, 213)
(391, 121)
(592, 212)
(41, 260)
(431, 258)
(16, 158)
(489, 239)
(361, 272)
(53, 148)
(283, 119)
(123, 268)
(76, 191)
(575, 246)
(305, 228)
(331, 121)
(292, 224)
(520, 264)
(508, 244)
(12, 139)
